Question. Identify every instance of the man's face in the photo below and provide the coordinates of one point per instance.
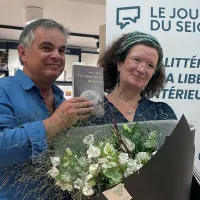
(45, 58)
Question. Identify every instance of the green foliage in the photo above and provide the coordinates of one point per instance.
(113, 175)
(105, 163)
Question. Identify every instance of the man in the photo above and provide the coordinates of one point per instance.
(32, 108)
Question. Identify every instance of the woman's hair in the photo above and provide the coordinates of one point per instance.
(117, 53)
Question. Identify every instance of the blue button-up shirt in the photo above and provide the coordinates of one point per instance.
(22, 132)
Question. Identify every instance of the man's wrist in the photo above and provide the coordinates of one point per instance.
(52, 128)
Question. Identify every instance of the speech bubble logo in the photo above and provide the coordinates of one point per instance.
(126, 15)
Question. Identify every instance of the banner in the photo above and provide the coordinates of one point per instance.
(176, 24)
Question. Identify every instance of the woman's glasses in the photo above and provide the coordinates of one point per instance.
(140, 62)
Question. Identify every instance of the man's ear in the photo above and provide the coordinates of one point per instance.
(22, 53)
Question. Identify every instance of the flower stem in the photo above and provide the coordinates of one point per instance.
(120, 140)
(77, 195)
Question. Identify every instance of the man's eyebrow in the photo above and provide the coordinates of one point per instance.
(63, 47)
(47, 43)
(51, 44)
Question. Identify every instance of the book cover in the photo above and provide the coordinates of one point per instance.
(88, 82)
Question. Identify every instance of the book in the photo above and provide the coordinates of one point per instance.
(87, 81)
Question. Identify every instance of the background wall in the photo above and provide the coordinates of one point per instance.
(83, 16)
(177, 26)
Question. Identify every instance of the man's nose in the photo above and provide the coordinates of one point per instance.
(55, 54)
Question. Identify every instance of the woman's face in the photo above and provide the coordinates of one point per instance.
(138, 67)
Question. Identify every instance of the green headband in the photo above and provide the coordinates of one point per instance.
(137, 37)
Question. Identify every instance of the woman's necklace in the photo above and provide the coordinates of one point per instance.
(130, 110)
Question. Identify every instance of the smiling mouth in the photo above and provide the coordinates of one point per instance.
(54, 65)
(137, 77)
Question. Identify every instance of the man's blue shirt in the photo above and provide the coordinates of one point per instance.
(22, 132)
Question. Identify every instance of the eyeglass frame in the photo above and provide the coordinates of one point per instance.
(146, 64)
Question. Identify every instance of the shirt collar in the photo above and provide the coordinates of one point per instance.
(24, 80)
(57, 90)
(27, 83)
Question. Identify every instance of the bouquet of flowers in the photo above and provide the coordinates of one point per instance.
(115, 160)
(103, 164)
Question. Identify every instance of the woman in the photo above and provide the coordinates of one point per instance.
(133, 73)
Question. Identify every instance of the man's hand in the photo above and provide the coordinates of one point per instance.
(67, 114)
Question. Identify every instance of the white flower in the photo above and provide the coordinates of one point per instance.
(89, 160)
(88, 177)
(82, 161)
(109, 165)
(88, 139)
(78, 184)
(143, 157)
(137, 167)
(93, 152)
(132, 163)
(65, 177)
(102, 160)
(132, 166)
(65, 186)
(108, 149)
(123, 158)
(58, 183)
(130, 145)
(53, 172)
(128, 172)
(93, 168)
(87, 190)
(68, 187)
(55, 161)
(90, 181)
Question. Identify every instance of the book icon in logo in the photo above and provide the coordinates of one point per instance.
(88, 82)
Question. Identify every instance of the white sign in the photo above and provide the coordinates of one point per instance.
(176, 24)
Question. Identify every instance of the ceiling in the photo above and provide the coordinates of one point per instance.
(101, 2)
(79, 16)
